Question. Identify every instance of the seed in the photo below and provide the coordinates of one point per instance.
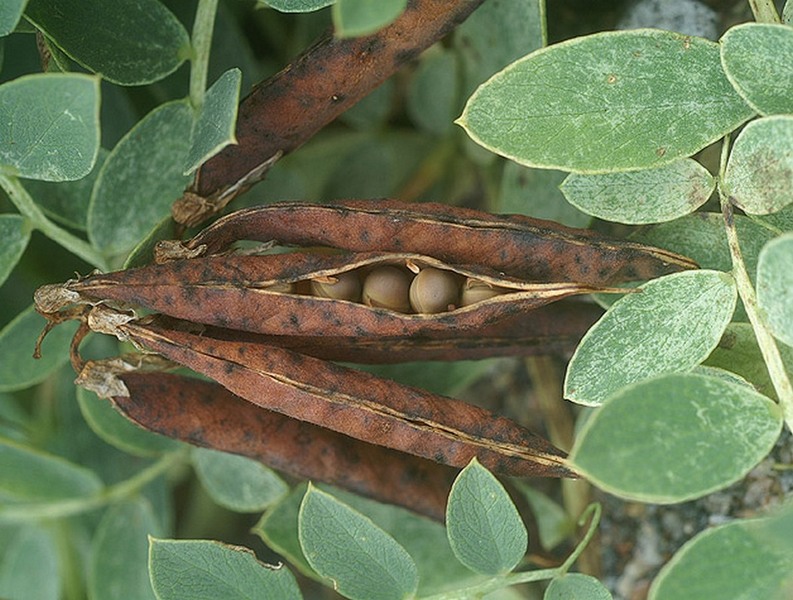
(476, 290)
(387, 287)
(342, 286)
(281, 288)
(434, 291)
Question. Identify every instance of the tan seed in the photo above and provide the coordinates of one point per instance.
(342, 286)
(476, 290)
(387, 287)
(434, 291)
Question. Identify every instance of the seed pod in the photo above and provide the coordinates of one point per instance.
(387, 287)
(342, 286)
(476, 290)
(434, 291)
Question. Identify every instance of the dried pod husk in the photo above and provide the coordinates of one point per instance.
(205, 414)
(239, 292)
(519, 246)
(358, 404)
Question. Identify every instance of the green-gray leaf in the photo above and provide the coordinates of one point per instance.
(130, 43)
(118, 565)
(671, 325)
(576, 585)
(236, 482)
(29, 475)
(204, 570)
(10, 13)
(607, 102)
(140, 179)
(433, 95)
(361, 17)
(15, 233)
(18, 368)
(759, 173)
(775, 286)
(757, 59)
(119, 431)
(745, 555)
(362, 560)
(30, 566)
(298, 6)
(485, 530)
(676, 437)
(639, 197)
(49, 126)
(214, 127)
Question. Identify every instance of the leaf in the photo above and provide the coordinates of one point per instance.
(342, 545)
(613, 101)
(140, 179)
(298, 6)
(118, 431)
(775, 286)
(10, 13)
(204, 570)
(214, 127)
(353, 18)
(29, 568)
(118, 564)
(671, 325)
(576, 585)
(18, 368)
(236, 482)
(133, 43)
(756, 57)
(759, 173)
(28, 475)
(535, 193)
(778, 222)
(744, 554)
(639, 197)
(15, 233)
(67, 201)
(553, 523)
(676, 437)
(432, 99)
(485, 530)
(49, 126)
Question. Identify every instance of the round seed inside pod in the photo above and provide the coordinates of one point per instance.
(342, 286)
(476, 290)
(434, 291)
(387, 287)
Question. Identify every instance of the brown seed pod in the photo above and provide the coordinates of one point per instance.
(387, 287)
(434, 291)
(341, 286)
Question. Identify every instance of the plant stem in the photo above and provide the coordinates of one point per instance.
(201, 42)
(764, 11)
(74, 506)
(25, 204)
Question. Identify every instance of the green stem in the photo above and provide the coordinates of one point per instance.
(203, 26)
(593, 509)
(764, 11)
(75, 506)
(25, 204)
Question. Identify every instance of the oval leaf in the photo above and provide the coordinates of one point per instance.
(612, 101)
(18, 368)
(576, 585)
(676, 437)
(749, 561)
(759, 173)
(362, 560)
(10, 13)
(140, 179)
(130, 43)
(29, 568)
(298, 6)
(361, 17)
(15, 233)
(640, 197)
(671, 325)
(202, 570)
(236, 482)
(49, 126)
(214, 127)
(757, 59)
(485, 530)
(118, 567)
(775, 286)
(28, 475)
